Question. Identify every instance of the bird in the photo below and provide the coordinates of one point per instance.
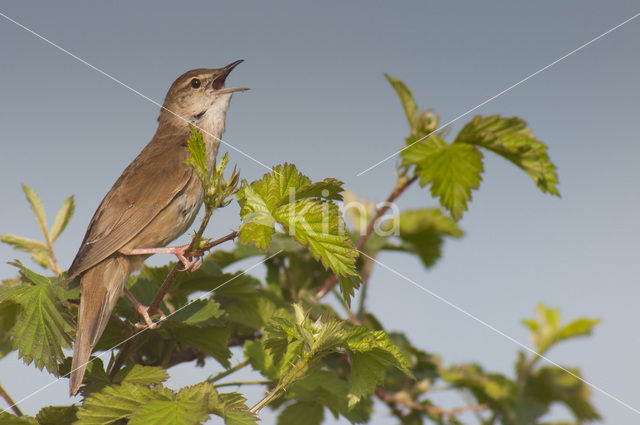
(155, 200)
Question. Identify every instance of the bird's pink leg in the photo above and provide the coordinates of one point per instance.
(143, 310)
(178, 251)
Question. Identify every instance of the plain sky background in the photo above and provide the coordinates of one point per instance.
(319, 100)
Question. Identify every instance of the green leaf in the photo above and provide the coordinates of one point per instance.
(452, 170)
(547, 331)
(511, 139)
(9, 312)
(138, 374)
(491, 388)
(323, 387)
(9, 419)
(307, 413)
(57, 415)
(318, 225)
(198, 152)
(117, 402)
(62, 218)
(371, 354)
(277, 335)
(552, 384)
(44, 326)
(408, 102)
(261, 359)
(38, 250)
(329, 188)
(273, 189)
(306, 212)
(210, 339)
(579, 327)
(423, 232)
(232, 407)
(171, 412)
(38, 210)
(200, 313)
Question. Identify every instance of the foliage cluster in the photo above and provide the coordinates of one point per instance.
(314, 360)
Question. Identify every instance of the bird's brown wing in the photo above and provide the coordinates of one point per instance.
(144, 189)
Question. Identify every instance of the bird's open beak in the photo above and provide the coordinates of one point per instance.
(218, 83)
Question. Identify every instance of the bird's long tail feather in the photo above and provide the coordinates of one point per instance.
(101, 287)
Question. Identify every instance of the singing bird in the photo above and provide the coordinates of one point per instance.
(154, 201)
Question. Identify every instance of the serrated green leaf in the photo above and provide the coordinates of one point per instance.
(329, 188)
(57, 415)
(198, 154)
(261, 359)
(408, 102)
(301, 412)
(371, 354)
(277, 335)
(314, 220)
(232, 407)
(9, 312)
(551, 384)
(281, 185)
(62, 218)
(171, 412)
(117, 402)
(329, 336)
(44, 326)
(138, 374)
(367, 370)
(210, 339)
(38, 210)
(318, 225)
(452, 171)
(423, 232)
(9, 419)
(511, 139)
(323, 387)
(200, 313)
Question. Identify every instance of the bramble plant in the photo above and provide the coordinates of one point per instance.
(314, 360)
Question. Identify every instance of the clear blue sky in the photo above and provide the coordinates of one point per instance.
(319, 100)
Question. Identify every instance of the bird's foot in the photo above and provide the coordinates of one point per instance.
(143, 310)
(191, 263)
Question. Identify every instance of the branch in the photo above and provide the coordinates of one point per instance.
(10, 401)
(397, 191)
(193, 252)
(228, 372)
(241, 383)
(397, 399)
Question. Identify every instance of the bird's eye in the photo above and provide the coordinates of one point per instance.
(195, 83)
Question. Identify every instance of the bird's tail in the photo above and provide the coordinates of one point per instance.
(101, 287)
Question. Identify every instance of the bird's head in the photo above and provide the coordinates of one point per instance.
(198, 93)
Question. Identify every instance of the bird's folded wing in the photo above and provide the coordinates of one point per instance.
(145, 188)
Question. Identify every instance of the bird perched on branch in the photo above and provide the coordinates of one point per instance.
(154, 201)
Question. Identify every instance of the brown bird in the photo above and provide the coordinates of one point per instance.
(154, 201)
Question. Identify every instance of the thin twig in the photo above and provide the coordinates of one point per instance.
(397, 191)
(168, 281)
(228, 372)
(241, 383)
(10, 401)
(388, 397)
